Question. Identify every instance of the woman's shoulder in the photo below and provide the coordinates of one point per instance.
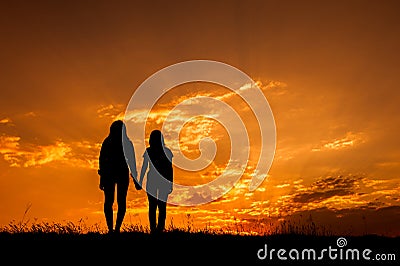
(106, 140)
(168, 152)
(146, 152)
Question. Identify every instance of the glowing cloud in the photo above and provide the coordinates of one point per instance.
(351, 139)
(5, 121)
(79, 154)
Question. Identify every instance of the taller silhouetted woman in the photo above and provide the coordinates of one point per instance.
(116, 161)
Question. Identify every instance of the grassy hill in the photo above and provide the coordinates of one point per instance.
(290, 244)
(186, 248)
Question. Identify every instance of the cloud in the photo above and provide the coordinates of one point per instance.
(156, 116)
(338, 192)
(33, 156)
(8, 143)
(282, 185)
(113, 111)
(30, 114)
(9, 146)
(333, 193)
(5, 121)
(46, 154)
(274, 88)
(19, 157)
(78, 154)
(318, 196)
(350, 140)
(336, 202)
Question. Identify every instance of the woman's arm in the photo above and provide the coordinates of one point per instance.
(144, 168)
(130, 157)
(102, 161)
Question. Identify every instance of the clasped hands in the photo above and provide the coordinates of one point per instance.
(138, 186)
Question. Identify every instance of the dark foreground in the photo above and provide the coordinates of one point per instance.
(181, 248)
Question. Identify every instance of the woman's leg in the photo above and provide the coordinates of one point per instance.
(162, 215)
(162, 209)
(152, 212)
(122, 191)
(109, 190)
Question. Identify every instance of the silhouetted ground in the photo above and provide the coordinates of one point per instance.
(183, 248)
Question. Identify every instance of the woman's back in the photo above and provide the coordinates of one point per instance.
(160, 162)
(112, 158)
(159, 159)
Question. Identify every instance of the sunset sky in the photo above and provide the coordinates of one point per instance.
(329, 70)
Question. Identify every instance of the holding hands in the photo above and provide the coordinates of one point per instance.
(138, 186)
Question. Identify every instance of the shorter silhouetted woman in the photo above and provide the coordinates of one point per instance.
(114, 168)
(158, 160)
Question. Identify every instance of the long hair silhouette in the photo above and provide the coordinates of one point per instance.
(158, 159)
(158, 155)
(117, 159)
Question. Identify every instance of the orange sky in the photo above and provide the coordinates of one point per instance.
(328, 69)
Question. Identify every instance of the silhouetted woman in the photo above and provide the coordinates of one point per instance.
(114, 169)
(158, 159)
